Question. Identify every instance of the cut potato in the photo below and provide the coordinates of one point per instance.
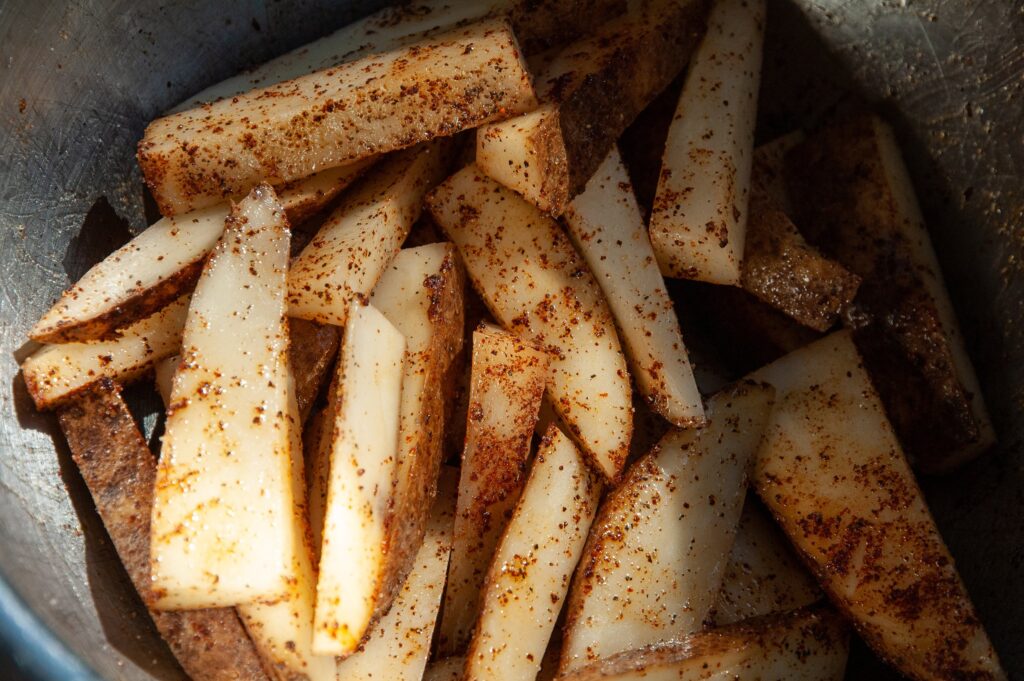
(216, 542)
(699, 217)
(856, 202)
(421, 294)
(834, 476)
(768, 174)
(163, 377)
(507, 385)
(539, 288)
(290, 130)
(164, 262)
(532, 566)
(360, 489)
(448, 669)
(763, 576)
(349, 253)
(802, 645)
(605, 224)
(119, 470)
(311, 351)
(590, 92)
(397, 647)
(54, 373)
(657, 552)
(316, 448)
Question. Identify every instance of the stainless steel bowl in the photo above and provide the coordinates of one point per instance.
(80, 80)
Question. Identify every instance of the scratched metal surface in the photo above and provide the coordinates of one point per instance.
(79, 80)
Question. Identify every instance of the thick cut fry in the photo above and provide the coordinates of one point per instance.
(349, 253)
(654, 561)
(605, 224)
(163, 377)
(330, 118)
(421, 294)
(802, 645)
(834, 476)
(538, 287)
(216, 541)
(163, 263)
(699, 217)
(590, 92)
(857, 204)
(360, 489)
(316, 448)
(530, 572)
(397, 647)
(763, 576)
(119, 471)
(506, 387)
(311, 351)
(55, 373)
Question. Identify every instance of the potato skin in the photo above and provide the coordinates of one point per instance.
(120, 471)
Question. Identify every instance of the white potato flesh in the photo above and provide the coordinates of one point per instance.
(832, 473)
(349, 253)
(657, 552)
(801, 645)
(531, 569)
(507, 381)
(608, 230)
(432, 88)
(764, 575)
(448, 669)
(515, 153)
(538, 287)
(163, 376)
(698, 220)
(360, 487)
(55, 373)
(397, 647)
(223, 524)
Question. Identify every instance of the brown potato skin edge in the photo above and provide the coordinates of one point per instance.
(120, 471)
(312, 348)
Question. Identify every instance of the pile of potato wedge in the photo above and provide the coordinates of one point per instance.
(412, 309)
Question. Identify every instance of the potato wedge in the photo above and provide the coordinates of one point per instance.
(856, 202)
(397, 647)
(834, 476)
(768, 174)
(589, 94)
(163, 377)
(421, 294)
(654, 561)
(215, 542)
(287, 131)
(530, 572)
(360, 488)
(507, 384)
(119, 470)
(316, 448)
(699, 216)
(55, 373)
(163, 263)
(350, 251)
(764, 575)
(605, 225)
(311, 351)
(538, 287)
(811, 644)
(448, 669)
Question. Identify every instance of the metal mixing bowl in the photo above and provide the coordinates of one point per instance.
(80, 80)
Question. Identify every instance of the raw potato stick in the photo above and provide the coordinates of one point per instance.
(856, 202)
(654, 561)
(607, 229)
(421, 294)
(55, 373)
(352, 587)
(699, 217)
(532, 566)
(834, 476)
(811, 644)
(589, 93)
(119, 470)
(287, 131)
(397, 646)
(507, 384)
(163, 263)
(538, 287)
(764, 575)
(351, 249)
